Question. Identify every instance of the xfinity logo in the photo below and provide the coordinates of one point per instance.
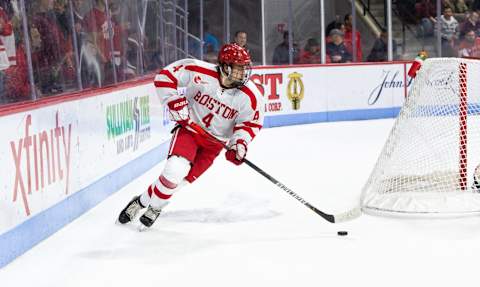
(388, 80)
(41, 158)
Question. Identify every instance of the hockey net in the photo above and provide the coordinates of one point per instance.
(428, 162)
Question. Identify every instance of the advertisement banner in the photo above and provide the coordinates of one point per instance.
(48, 154)
(328, 91)
(365, 87)
(292, 90)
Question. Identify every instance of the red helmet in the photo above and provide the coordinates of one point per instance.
(233, 54)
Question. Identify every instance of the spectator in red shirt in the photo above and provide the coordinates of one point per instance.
(51, 53)
(95, 24)
(470, 45)
(5, 30)
(98, 36)
(348, 38)
(311, 53)
(17, 85)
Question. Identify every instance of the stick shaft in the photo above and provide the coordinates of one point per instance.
(328, 217)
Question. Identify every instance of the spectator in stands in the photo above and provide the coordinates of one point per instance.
(62, 16)
(379, 51)
(336, 50)
(450, 4)
(348, 38)
(449, 32)
(211, 44)
(281, 53)
(5, 30)
(470, 45)
(338, 25)
(7, 7)
(241, 40)
(50, 49)
(425, 11)
(460, 6)
(63, 19)
(471, 23)
(126, 39)
(333, 25)
(17, 85)
(311, 52)
(97, 49)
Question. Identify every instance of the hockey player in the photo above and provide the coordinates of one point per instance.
(219, 98)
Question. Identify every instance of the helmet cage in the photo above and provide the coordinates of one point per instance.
(238, 75)
(235, 64)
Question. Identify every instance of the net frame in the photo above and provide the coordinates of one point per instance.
(436, 193)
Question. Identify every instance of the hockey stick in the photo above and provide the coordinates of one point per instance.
(341, 217)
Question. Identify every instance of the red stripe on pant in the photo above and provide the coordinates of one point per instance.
(166, 184)
(161, 195)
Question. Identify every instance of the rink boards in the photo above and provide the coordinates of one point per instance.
(60, 158)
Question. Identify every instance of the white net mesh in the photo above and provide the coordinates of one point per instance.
(428, 161)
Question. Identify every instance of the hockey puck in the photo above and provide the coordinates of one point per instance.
(342, 233)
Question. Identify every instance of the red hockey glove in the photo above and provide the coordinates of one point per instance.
(178, 109)
(236, 152)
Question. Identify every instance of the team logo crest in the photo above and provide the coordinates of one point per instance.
(198, 80)
(295, 89)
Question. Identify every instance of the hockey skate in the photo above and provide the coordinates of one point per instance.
(149, 217)
(130, 211)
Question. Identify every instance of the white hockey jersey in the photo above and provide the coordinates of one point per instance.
(228, 114)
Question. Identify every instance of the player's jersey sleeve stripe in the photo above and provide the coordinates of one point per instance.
(202, 70)
(249, 93)
(170, 76)
(161, 84)
(252, 125)
(247, 129)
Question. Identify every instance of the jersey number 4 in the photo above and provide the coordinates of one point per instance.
(207, 120)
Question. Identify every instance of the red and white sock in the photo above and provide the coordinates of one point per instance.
(161, 190)
(171, 180)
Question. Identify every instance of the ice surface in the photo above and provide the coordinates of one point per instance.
(235, 228)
